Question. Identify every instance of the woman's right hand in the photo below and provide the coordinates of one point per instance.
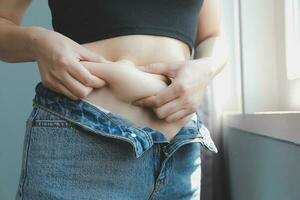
(58, 61)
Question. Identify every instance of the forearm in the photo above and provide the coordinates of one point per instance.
(214, 50)
(16, 42)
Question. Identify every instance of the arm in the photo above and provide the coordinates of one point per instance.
(210, 43)
(14, 38)
(57, 55)
(190, 78)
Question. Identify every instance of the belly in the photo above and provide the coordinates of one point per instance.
(126, 83)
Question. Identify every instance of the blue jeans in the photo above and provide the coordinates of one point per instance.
(76, 151)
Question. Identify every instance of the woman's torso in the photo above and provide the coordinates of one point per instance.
(140, 50)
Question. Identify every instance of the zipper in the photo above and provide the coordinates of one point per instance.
(164, 149)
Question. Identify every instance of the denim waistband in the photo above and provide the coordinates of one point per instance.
(106, 123)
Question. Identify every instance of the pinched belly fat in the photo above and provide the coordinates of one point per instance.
(126, 84)
(126, 81)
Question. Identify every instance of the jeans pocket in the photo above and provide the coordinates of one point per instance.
(44, 118)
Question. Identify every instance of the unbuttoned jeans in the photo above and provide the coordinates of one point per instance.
(75, 151)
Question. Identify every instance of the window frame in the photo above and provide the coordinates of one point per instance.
(292, 38)
(282, 125)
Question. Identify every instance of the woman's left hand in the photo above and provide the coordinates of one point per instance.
(183, 96)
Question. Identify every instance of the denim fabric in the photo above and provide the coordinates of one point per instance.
(76, 151)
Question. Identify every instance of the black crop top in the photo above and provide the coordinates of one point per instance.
(92, 20)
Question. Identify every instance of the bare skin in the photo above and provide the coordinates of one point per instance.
(126, 83)
(106, 73)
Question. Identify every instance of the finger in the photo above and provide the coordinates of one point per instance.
(160, 98)
(99, 70)
(77, 88)
(169, 108)
(79, 72)
(178, 115)
(169, 69)
(156, 68)
(91, 56)
(60, 88)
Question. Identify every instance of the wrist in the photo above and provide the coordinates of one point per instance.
(207, 66)
(215, 51)
(32, 34)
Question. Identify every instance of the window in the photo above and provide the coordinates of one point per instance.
(292, 38)
(269, 62)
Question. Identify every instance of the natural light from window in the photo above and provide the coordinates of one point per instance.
(292, 12)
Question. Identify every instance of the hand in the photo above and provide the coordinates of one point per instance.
(126, 81)
(183, 96)
(58, 60)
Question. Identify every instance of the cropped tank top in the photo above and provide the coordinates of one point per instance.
(92, 20)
